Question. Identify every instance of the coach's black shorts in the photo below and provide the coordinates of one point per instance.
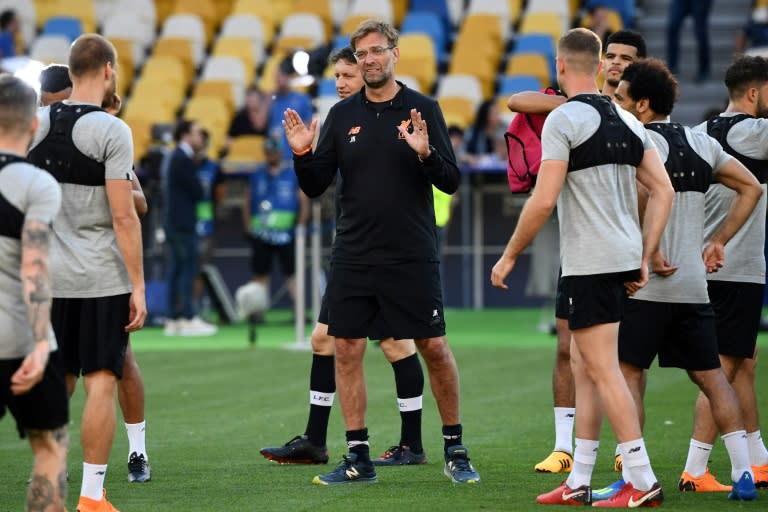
(683, 335)
(595, 299)
(379, 328)
(45, 407)
(263, 255)
(738, 308)
(91, 333)
(407, 296)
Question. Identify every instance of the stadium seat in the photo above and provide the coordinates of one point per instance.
(301, 31)
(323, 105)
(271, 13)
(535, 43)
(339, 42)
(615, 23)
(203, 9)
(380, 9)
(430, 24)
(225, 68)
(530, 64)
(145, 10)
(50, 49)
(466, 62)
(517, 83)
(544, 22)
(246, 25)
(465, 86)
(244, 151)
(457, 110)
(212, 113)
(131, 27)
(242, 48)
(163, 8)
(188, 26)
(234, 96)
(417, 58)
(624, 8)
(157, 89)
(180, 48)
(437, 7)
(327, 87)
(410, 82)
(321, 8)
(559, 7)
(82, 9)
(351, 22)
(66, 26)
(499, 9)
(167, 68)
(399, 9)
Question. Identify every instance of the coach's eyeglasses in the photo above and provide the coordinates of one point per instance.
(376, 51)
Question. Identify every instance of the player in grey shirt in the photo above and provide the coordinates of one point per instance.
(672, 316)
(31, 382)
(736, 291)
(592, 153)
(99, 285)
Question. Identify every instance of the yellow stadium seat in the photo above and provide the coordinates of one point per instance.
(218, 89)
(399, 8)
(533, 64)
(203, 8)
(166, 67)
(245, 149)
(351, 23)
(543, 22)
(515, 9)
(267, 80)
(484, 70)
(223, 9)
(179, 48)
(84, 10)
(164, 8)
(417, 58)
(147, 109)
(159, 91)
(210, 111)
(321, 8)
(141, 129)
(240, 47)
(482, 26)
(475, 50)
(271, 13)
(458, 108)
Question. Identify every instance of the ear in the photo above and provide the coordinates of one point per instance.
(752, 94)
(108, 71)
(33, 125)
(560, 65)
(396, 54)
(643, 105)
(599, 66)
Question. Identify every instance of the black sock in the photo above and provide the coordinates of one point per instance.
(452, 435)
(357, 442)
(409, 381)
(322, 386)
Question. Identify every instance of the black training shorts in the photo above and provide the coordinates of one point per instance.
(263, 255)
(45, 407)
(91, 333)
(738, 309)
(595, 299)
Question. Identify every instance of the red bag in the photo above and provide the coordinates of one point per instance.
(523, 138)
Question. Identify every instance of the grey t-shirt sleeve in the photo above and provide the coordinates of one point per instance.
(118, 152)
(44, 198)
(555, 136)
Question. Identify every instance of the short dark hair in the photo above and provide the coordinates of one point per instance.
(55, 78)
(6, 17)
(652, 79)
(455, 129)
(286, 66)
(183, 127)
(630, 38)
(745, 72)
(346, 54)
(18, 104)
(89, 53)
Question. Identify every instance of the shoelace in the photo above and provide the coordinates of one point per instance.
(460, 464)
(137, 463)
(295, 439)
(392, 451)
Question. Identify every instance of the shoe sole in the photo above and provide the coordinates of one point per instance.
(380, 463)
(372, 480)
(285, 460)
(139, 480)
(468, 482)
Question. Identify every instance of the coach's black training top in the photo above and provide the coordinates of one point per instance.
(386, 211)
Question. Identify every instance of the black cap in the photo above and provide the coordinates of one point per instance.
(55, 78)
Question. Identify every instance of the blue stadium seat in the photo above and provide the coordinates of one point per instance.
(326, 87)
(427, 23)
(437, 7)
(70, 28)
(339, 42)
(518, 83)
(537, 43)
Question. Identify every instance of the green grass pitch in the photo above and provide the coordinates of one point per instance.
(212, 403)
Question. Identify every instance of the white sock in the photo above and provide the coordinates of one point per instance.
(635, 460)
(136, 439)
(584, 457)
(698, 458)
(736, 444)
(564, 417)
(93, 480)
(758, 455)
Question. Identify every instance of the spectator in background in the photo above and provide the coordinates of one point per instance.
(182, 195)
(284, 98)
(9, 26)
(482, 136)
(755, 33)
(273, 206)
(678, 11)
(212, 182)
(253, 118)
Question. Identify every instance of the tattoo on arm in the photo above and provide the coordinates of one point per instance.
(35, 241)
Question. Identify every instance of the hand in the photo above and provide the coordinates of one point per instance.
(31, 371)
(713, 256)
(632, 286)
(137, 312)
(299, 136)
(501, 270)
(662, 266)
(418, 140)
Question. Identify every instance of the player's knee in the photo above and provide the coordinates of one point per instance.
(396, 350)
(322, 343)
(435, 351)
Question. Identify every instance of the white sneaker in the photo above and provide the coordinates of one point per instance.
(171, 327)
(196, 327)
